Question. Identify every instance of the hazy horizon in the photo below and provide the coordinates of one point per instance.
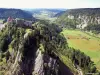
(51, 4)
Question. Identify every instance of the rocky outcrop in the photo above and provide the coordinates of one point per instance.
(80, 18)
(38, 67)
(39, 64)
(32, 55)
(84, 20)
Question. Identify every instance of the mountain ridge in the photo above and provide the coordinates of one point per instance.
(79, 18)
(15, 13)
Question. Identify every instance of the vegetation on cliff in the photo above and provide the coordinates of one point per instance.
(19, 44)
(86, 18)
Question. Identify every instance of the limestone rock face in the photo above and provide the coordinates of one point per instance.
(40, 64)
(85, 20)
(38, 67)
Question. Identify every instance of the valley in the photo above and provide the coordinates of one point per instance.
(49, 42)
(46, 14)
(85, 41)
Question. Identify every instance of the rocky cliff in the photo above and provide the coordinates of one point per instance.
(30, 52)
(85, 20)
(80, 18)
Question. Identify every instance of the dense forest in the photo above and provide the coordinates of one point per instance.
(82, 11)
(94, 28)
(80, 59)
(15, 13)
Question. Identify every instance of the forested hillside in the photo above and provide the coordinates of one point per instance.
(15, 13)
(86, 18)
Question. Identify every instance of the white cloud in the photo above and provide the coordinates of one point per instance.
(49, 3)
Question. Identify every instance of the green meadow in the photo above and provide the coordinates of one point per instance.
(86, 42)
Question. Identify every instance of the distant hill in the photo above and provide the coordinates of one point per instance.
(44, 9)
(79, 18)
(59, 14)
(82, 11)
(44, 13)
(48, 12)
(15, 13)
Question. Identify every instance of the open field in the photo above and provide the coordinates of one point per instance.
(44, 16)
(88, 44)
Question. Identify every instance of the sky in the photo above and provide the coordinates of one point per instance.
(67, 4)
